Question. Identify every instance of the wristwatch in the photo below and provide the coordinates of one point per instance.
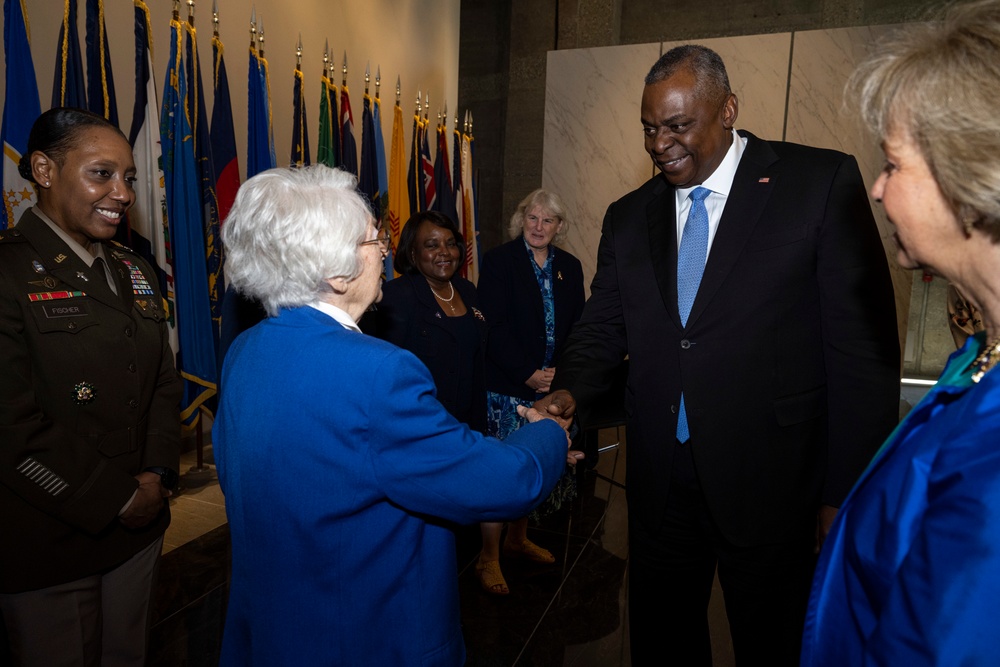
(168, 477)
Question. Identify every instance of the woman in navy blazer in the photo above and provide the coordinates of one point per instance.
(532, 293)
(432, 312)
(341, 470)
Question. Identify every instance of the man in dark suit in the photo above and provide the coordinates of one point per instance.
(762, 378)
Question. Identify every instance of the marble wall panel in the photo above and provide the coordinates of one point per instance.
(819, 115)
(593, 136)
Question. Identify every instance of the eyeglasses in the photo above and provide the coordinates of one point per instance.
(382, 240)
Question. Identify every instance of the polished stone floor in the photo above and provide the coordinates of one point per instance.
(569, 613)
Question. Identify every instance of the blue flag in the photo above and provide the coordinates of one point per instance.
(67, 84)
(260, 155)
(265, 85)
(223, 136)
(368, 183)
(100, 82)
(20, 109)
(206, 172)
(442, 175)
(368, 178)
(413, 179)
(196, 357)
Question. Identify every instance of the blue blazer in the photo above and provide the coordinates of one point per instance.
(513, 306)
(910, 572)
(342, 473)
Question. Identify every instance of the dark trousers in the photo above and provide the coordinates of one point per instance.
(99, 621)
(671, 569)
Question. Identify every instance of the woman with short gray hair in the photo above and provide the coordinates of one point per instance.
(341, 470)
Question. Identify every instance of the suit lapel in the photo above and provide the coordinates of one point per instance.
(661, 222)
(749, 195)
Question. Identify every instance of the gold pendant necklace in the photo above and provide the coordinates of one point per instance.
(986, 360)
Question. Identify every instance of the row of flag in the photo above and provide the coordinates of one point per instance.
(426, 186)
(187, 169)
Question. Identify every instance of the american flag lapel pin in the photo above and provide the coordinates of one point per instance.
(766, 179)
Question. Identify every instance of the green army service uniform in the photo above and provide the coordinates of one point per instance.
(88, 400)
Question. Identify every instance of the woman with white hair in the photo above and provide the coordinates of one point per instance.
(910, 572)
(342, 472)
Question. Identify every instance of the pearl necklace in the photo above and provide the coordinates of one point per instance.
(986, 360)
(449, 299)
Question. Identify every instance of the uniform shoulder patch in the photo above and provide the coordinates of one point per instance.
(11, 236)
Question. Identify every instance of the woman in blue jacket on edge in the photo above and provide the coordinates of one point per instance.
(910, 572)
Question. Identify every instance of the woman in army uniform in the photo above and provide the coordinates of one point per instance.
(89, 426)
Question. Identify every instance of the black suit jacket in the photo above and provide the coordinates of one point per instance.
(409, 317)
(789, 362)
(513, 306)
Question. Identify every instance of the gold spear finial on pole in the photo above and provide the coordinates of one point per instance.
(326, 58)
(378, 80)
(215, 17)
(470, 122)
(253, 27)
(344, 80)
(177, 10)
(427, 106)
(368, 75)
(418, 104)
(444, 117)
(191, 12)
(298, 53)
(260, 37)
(397, 90)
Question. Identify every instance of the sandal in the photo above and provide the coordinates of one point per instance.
(529, 550)
(491, 578)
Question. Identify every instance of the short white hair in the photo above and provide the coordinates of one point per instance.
(292, 229)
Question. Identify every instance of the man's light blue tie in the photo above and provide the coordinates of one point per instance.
(690, 267)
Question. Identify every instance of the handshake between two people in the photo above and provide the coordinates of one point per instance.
(558, 406)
